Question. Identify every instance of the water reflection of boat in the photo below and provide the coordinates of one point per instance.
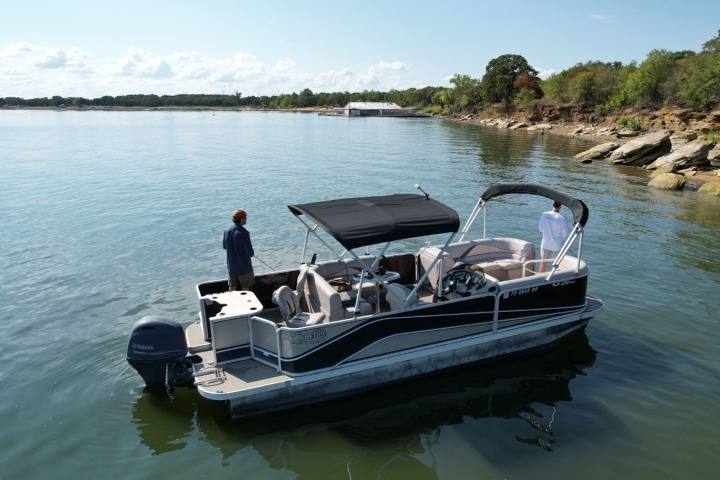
(397, 429)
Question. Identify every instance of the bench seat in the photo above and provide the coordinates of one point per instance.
(320, 296)
(497, 254)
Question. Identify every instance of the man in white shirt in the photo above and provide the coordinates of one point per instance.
(555, 229)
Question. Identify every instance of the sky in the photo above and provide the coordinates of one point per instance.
(91, 48)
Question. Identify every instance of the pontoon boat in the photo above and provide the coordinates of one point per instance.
(368, 317)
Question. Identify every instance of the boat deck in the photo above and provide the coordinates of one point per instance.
(244, 375)
(241, 375)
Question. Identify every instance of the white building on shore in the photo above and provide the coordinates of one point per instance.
(373, 109)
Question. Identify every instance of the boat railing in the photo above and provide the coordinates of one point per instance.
(265, 337)
(554, 266)
(528, 269)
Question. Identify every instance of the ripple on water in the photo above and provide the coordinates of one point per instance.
(109, 216)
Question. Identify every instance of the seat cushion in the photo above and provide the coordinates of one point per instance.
(302, 319)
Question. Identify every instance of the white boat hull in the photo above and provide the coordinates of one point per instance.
(251, 388)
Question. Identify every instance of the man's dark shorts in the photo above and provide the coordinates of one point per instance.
(241, 282)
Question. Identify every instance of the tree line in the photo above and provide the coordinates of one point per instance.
(684, 79)
(305, 99)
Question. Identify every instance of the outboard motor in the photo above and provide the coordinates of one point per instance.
(157, 351)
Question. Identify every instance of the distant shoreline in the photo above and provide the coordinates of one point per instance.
(176, 109)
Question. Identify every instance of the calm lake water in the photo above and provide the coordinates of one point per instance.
(110, 216)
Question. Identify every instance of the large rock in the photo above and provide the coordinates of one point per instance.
(599, 151)
(664, 168)
(693, 154)
(714, 156)
(678, 138)
(540, 126)
(713, 188)
(643, 150)
(668, 181)
(607, 131)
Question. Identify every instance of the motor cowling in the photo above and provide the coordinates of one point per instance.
(157, 346)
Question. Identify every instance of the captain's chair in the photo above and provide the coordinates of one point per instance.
(289, 304)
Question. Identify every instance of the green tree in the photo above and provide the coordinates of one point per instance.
(105, 101)
(697, 83)
(408, 98)
(712, 45)
(287, 101)
(306, 99)
(80, 102)
(586, 84)
(647, 86)
(466, 92)
(395, 96)
(554, 86)
(150, 101)
(699, 87)
(581, 89)
(425, 95)
(617, 95)
(443, 97)
(498, 83)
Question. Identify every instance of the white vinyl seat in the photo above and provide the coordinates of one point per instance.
(289, 304)
(397, 294)
(302, 278)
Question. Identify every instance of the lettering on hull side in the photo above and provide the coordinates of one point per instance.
(300, 338)
(521, 291)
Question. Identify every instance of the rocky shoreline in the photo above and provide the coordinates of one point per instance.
(672, 143)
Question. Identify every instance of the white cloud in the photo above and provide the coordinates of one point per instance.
(17, 50)
(55, 58)
(390, 66)
(32, 71)
(545, 73)
(286, 65)
(142, 63)
(59, 58)
(601, 18)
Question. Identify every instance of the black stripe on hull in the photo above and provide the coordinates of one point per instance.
(552, 297)
(516, 306)
(439, 315)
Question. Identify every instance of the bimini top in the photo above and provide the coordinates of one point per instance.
(577, 207)
(357, 222)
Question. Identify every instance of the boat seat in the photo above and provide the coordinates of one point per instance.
(321, 297)
(343, 268)
(289, 304)
(300, 286)
(397, 294)
(509, 253)
(503, 269)
(302, 278)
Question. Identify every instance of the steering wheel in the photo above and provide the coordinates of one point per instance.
(462, 282)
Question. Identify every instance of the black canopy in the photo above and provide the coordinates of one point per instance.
(357, 222)
(577, 207)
